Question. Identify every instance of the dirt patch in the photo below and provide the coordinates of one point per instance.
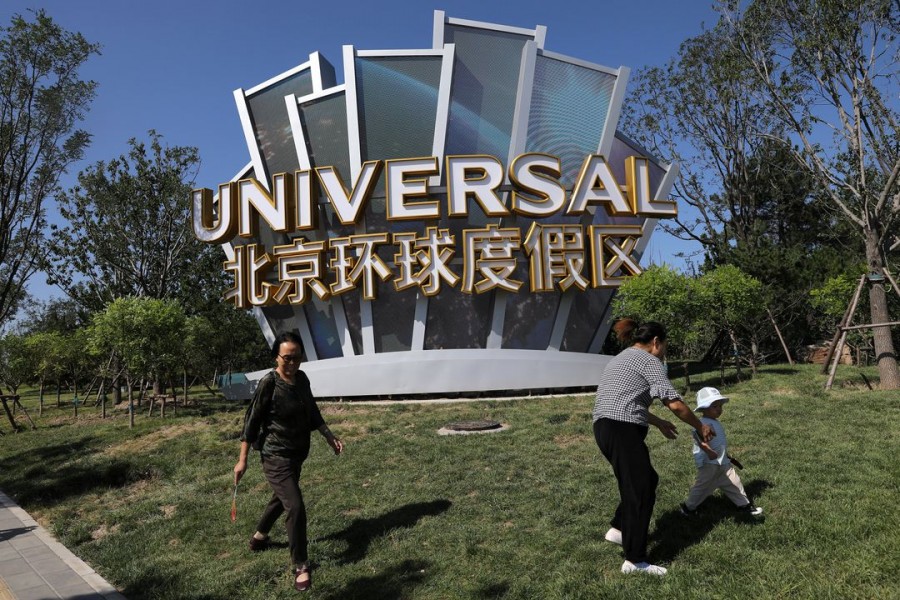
(152, 440)
(138, 489)
(103, 531)
(567, 441)
(338, 409)
(348, 430)
(784, 392)
(168, 510)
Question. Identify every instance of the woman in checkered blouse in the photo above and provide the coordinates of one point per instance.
(631, 381)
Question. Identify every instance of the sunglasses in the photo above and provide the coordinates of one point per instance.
(290, 358)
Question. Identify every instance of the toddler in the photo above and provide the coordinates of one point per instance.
(714, 468)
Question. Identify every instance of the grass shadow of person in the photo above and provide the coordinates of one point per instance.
(397, 581)
(361, 532)
(675, 532)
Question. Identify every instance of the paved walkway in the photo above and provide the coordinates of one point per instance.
(34, 566)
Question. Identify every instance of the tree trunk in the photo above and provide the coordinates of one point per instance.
(885, 356)
(130, 403)
(58, 392)
(41, 399)
(754, 350)
(9, 416)
(101, 393)
(116, 382)
(737, 353)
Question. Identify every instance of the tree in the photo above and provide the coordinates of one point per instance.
(698, 110)
(145, 333)
(129, 234)
(664, 295)
(829, 70)
(129, 230)
(60, 315)
(46, 349)
(15, 368)
(78, 359)
(15, 361)
(748, 203)
(41, 101)
(734, 303)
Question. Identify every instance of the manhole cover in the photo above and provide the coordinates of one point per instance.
(473, 425)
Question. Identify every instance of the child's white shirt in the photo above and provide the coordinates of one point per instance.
(719, 444)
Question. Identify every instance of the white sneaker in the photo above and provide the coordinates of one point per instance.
(751, 509)
(642, 567)
(614, 536)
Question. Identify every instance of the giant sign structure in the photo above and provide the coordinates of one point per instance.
(446, 220)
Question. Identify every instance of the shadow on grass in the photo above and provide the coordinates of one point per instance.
(51, 489)
(397, 581)
(675, 532)
(41, 477)
(168, 586)
(495, 590)
(361, 532)
(48, 454)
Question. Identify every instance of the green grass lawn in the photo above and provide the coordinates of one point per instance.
(405, 513)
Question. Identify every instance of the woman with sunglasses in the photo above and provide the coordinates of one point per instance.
(278, 422)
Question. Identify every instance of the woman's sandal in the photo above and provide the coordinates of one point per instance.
(257, 545)
(304, 584)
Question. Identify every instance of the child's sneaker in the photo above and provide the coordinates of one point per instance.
(614, 536)
(689, 512)
(750, 509)
(642, 567)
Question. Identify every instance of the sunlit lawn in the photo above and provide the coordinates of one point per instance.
(406, 513)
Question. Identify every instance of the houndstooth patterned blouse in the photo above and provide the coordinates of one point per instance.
(632, 379)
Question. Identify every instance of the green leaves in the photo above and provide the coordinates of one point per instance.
(146, 333)
(41, 101)
(129, 230)
(693, 309)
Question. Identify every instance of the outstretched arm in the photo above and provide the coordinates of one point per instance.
(684, 413)
(667, 428)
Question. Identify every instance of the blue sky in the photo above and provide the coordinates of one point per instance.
(172, 65)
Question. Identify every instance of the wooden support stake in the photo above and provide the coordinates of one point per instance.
(25, 412)
(871, 325)
(843, 333)
(9, 415)
(787, 352)
(891, 279)
(844, 322)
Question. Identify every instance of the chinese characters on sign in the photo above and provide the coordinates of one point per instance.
(560, 256)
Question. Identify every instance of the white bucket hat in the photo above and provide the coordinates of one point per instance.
(706, 396)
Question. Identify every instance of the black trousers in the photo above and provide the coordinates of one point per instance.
(283, 475)
(623, 446)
